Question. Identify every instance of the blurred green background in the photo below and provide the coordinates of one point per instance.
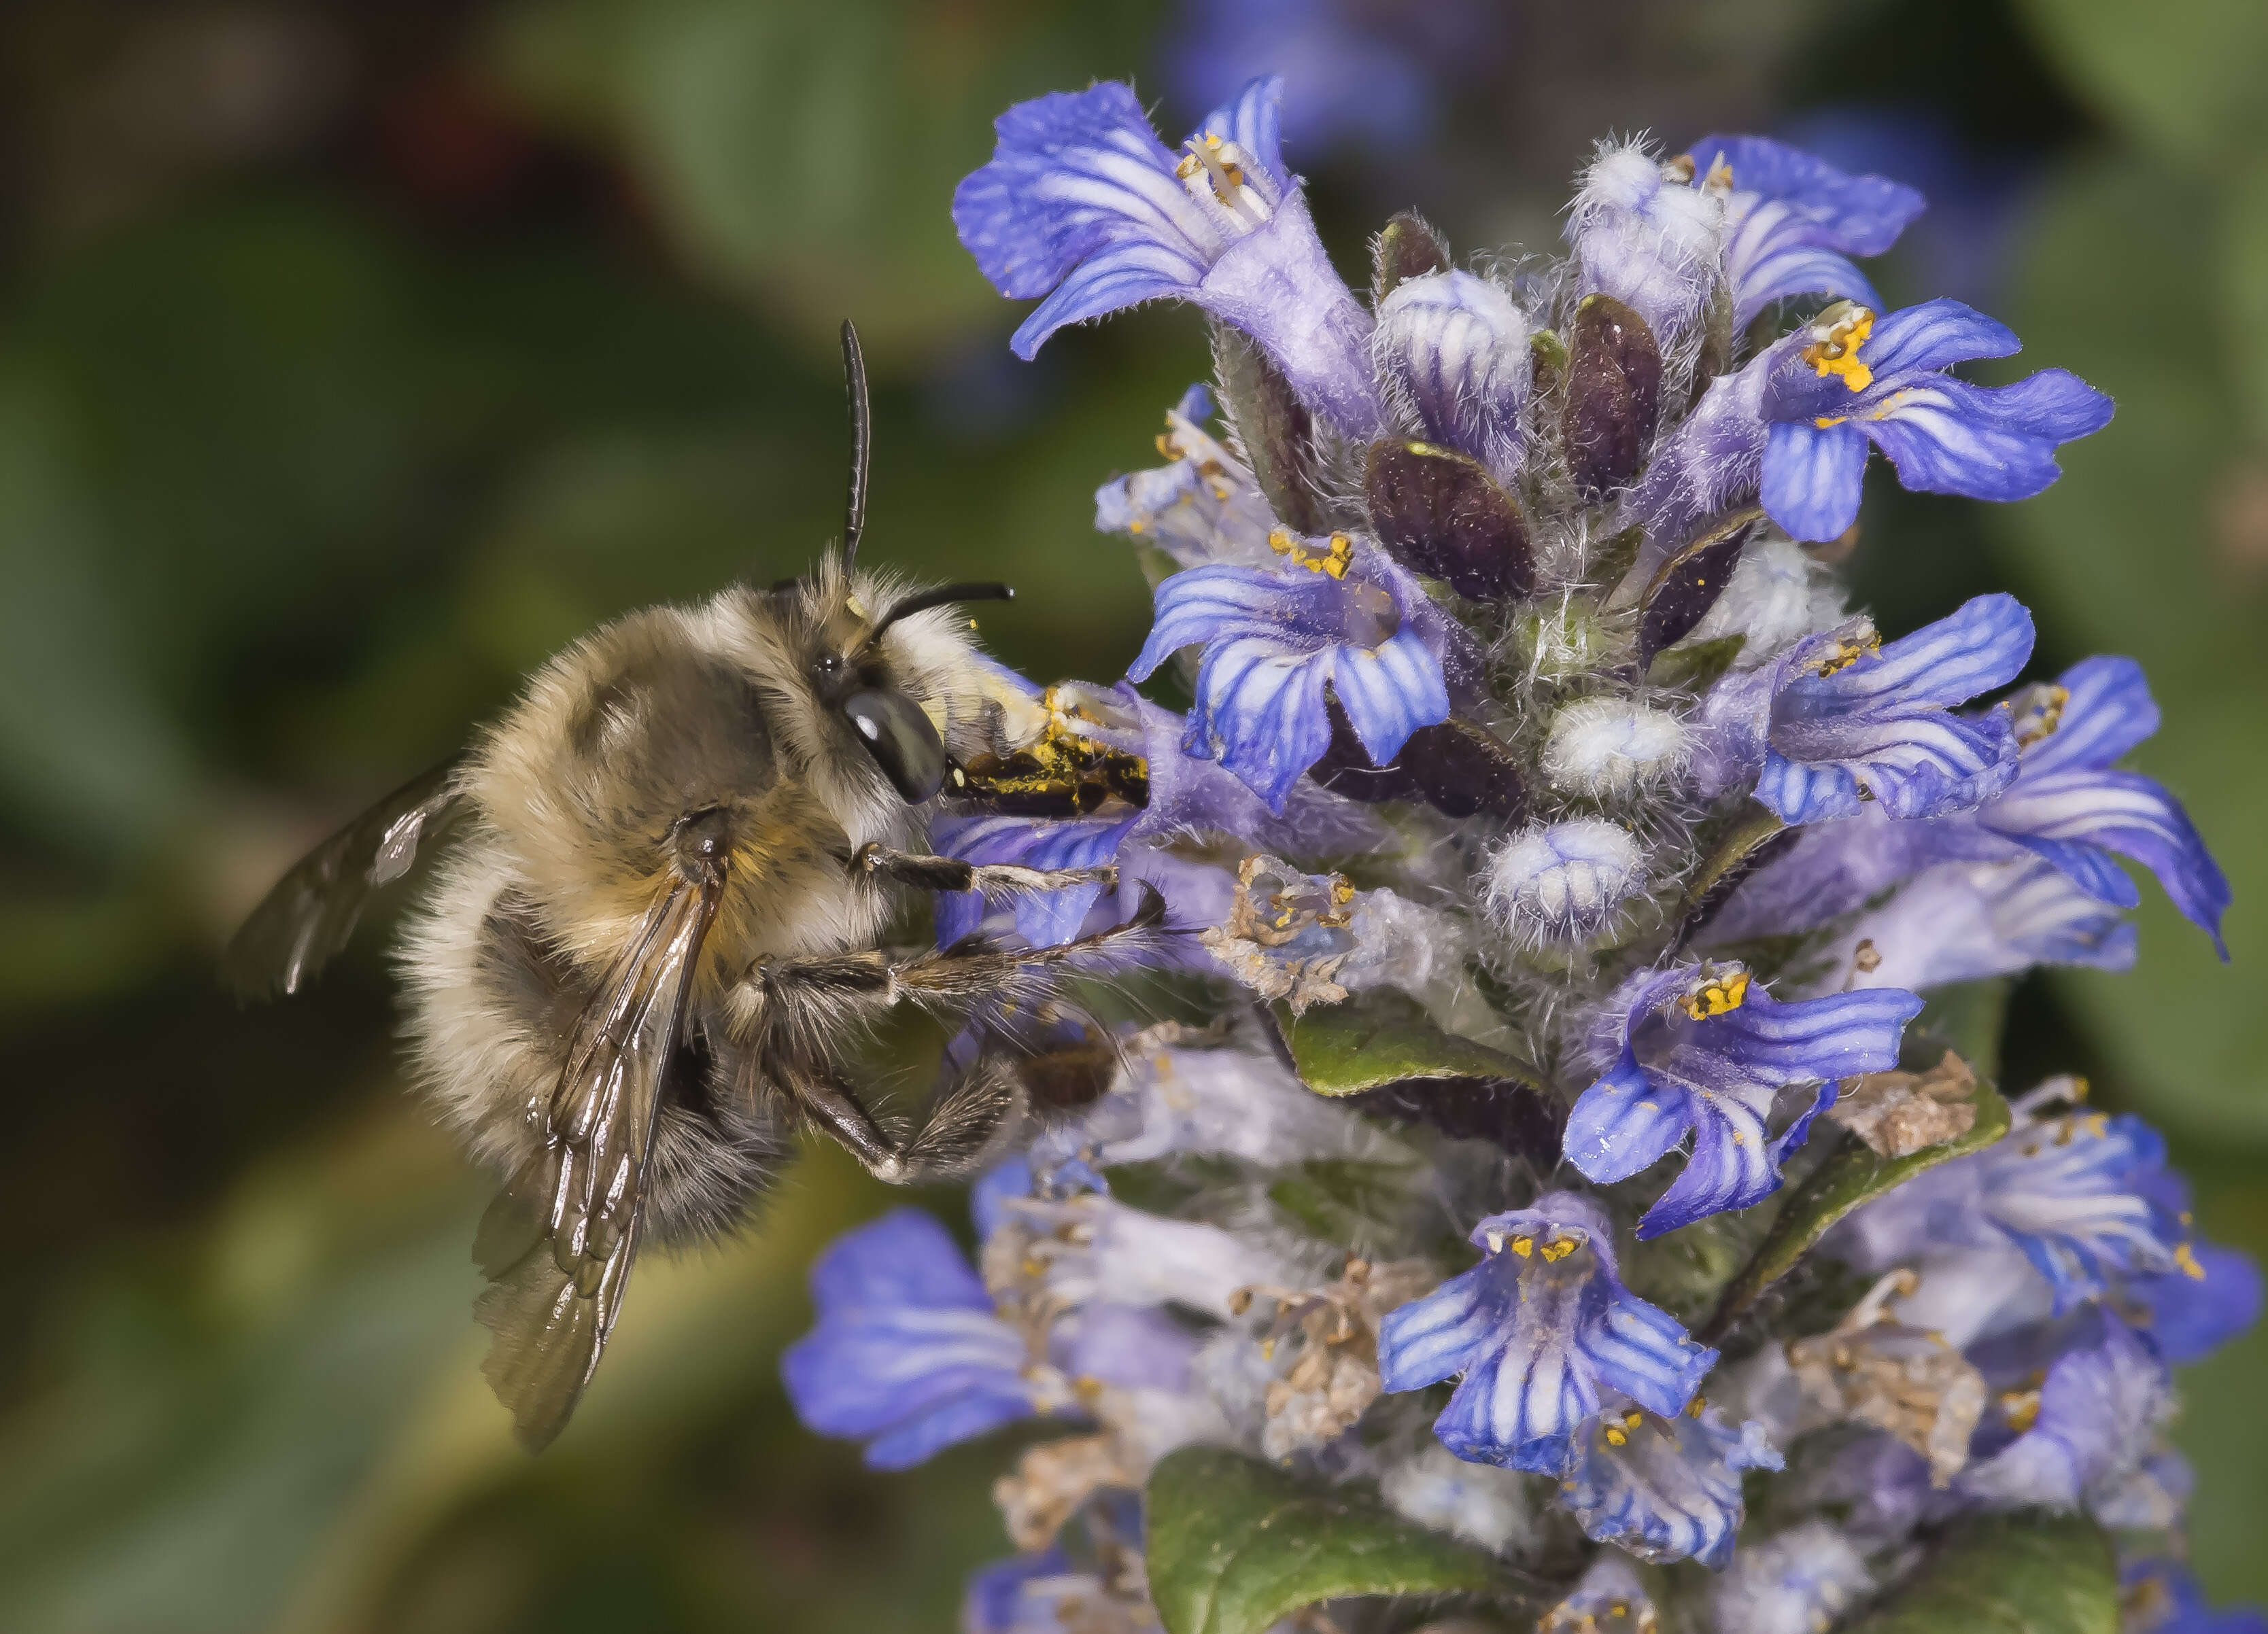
(353, 357)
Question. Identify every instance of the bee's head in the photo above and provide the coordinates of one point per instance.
(885, 672)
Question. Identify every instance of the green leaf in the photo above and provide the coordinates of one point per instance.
(1381, 1039)
(2182, 75)
(2008, 1574)
(1235, 1546)
(1853, 1173)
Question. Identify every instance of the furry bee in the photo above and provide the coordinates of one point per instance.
(651, 934)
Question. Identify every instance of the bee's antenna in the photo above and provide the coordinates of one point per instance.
(862, 444)
(944, 595)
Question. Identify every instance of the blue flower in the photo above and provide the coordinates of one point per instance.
(1540, 1330)
(2068, 804)
(1857, 381)
(1704, 1050)
(1792, 428)
(1664, 1488)
(1842, 721)
(1338, 615)
(908, 1355)
(2081, 1194)
(1203, 507)
(1793, 219)
(1081, 204)
(2099, 1411)
(2029, 876)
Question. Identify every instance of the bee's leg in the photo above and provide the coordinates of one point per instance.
(802, 998)
(960, 1128)
(834, 1107)
(951, 874)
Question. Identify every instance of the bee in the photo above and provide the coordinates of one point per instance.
(652, 935)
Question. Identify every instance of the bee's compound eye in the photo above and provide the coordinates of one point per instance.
(900, 737)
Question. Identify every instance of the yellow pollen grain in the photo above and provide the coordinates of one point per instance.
(1719, 996)
(1838, 353)
(2020, 1408)
(1849, 652)
(1332, 561)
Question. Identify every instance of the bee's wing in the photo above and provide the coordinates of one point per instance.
(307, 917)
(557, 1242)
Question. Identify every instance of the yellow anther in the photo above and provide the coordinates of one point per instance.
(1617, 1436)
(1719, 178)
(1829, 422)
(1559, 1247)
(1694, 1407)
(1836, 352)
(2021, 1409)
(1212, 155)
(1523, 1245)
(2188, 1260)
(1633, 1418)
(1680, 170)
(1849, 652)
(1717, 995)
(1333, 560)
(2039, 712)
(1165, 445)
(1342, 890)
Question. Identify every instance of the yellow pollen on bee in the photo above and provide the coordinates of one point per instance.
(1837, 352)
(1332, 561)
(2187, 1259)
(1523, 1245)
(1717, 995)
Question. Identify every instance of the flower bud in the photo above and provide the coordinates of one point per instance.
(1565, 882)
(1614, 395)
(1610, 746)
(1446, 517)
(1454, 348)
